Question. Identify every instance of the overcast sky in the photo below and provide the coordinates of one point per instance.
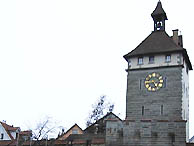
(57, 57)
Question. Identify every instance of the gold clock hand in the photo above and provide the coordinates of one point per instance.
(148, 81)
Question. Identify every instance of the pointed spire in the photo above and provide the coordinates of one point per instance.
(159, 11)
(159, 17)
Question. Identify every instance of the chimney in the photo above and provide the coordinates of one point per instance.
(177, 38)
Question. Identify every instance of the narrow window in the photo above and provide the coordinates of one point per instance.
(129, 63)
(151, 59)
(140, 83)
(16, 135)
(168, 58)
(161, 110)
(142, 110)
(140, 60)
(183, 87)
(165, 80)
(187, 69)
(184, 115)
(173, 138)
(2, 135)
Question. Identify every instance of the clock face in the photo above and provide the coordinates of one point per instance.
(154, 82)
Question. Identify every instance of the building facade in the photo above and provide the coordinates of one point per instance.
(8, 132)
(157, 100)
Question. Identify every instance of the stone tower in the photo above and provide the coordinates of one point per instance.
(157, 100)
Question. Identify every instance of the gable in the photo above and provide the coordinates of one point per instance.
(10, 131)
(75, 129)
(100, 125)
(4, 132)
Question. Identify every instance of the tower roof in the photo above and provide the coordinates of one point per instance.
(159, 12)
(158, 42)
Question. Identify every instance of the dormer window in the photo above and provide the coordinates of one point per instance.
(140, 61)
(151, 59)
(168, 58)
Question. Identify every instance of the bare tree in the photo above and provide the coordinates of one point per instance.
(44, 129)
(100, 108)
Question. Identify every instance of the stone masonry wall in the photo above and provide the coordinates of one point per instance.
(169, 96)
(146, 133)
(154, 133)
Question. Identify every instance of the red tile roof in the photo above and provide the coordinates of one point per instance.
(8, 142)
(27, 132)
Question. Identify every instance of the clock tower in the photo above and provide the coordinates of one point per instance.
(157, 100)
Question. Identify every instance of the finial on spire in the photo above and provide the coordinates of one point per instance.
(159, 17)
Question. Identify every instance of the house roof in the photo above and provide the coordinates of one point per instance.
(75, 125)
(9, 128)
(27, 132)
(8, 142)
(76, 140)
(158, 42)
(95, 139)
(103, 118)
